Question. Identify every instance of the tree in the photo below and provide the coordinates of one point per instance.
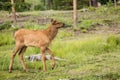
(13, 11)
(94, 3)
(115, 2)
(75, 13)
(90, 3)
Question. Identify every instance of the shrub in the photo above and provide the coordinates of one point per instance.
(113, 10)
(88, 24)
(84, 31)
(113, 40)
(22, 6)
(5, 25)
(92, 8)
(5, 6)
(0, 5)
(110, 3)
(39, 7)
(101, 9)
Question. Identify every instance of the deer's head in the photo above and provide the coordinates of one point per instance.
(57, 24)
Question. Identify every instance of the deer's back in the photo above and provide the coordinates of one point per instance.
(31, 37)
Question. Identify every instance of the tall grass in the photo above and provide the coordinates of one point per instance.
(68, 49)
(79, 55)
(89, 24)
(93, 46)
(6, 38)
(65, 48)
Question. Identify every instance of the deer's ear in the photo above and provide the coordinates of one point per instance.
(53, 22)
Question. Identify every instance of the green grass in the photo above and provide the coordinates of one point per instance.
(87, 58)
(33, 26)
(6, 38)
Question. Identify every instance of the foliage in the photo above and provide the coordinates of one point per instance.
(5, 0)
(68, 4)
(113, 40)
(26, 5)
(5, 6)
(103, 1)
(6, 38)
(39, 7)
(22, 6)
(5, 25)
(14, 0)
(18, 6)
(88, 24)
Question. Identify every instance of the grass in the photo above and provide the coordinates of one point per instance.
(6, 38)
(87, 58)
(86, 20)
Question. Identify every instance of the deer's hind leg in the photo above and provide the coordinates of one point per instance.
(21, 53)
(17, 48)
(43, 49)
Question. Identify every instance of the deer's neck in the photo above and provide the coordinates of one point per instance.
(51, 32)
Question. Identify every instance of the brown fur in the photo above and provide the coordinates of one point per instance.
(37, 38)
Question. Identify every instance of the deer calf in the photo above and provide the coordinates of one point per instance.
(36, 38)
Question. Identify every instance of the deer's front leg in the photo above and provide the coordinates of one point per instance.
(52, 57)
(17, 48)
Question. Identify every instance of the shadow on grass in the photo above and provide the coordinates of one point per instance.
(108, 76)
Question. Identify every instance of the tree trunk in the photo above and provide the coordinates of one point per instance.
(44, 2)
(115, 2)
(22, 0)
(75, 13)
(13, 11)
(94, 3)
(51, 3)
(33, 6)
(90, 3)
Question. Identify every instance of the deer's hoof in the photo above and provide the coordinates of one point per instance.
(53, 67)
